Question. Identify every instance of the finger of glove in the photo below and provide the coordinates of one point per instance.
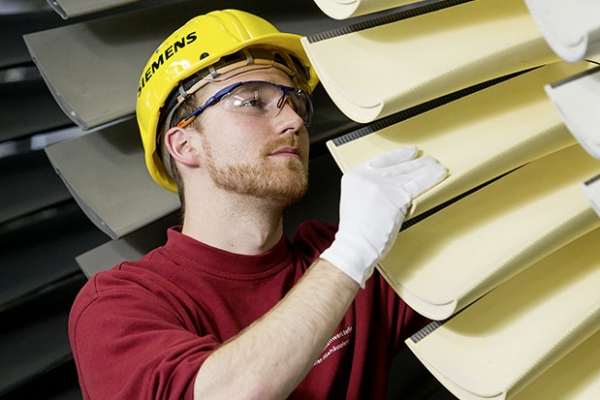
(415, 176)
(423, 179)
(398, 184)
(394, 157)
(407, 168)
(372, 188)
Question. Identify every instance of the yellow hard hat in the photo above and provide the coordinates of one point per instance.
(205, 45)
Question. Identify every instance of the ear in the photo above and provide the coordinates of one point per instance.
(181, 144)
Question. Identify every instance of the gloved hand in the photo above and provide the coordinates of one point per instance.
(374, 200)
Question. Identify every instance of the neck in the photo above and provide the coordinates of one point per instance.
(234, 223)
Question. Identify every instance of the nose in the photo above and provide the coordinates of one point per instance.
(288, 118)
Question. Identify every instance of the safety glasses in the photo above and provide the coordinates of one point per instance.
(257, 98)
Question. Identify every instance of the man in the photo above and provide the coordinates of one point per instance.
(229, 307)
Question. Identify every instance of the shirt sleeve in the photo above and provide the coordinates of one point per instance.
(396, 317)
(130, 344)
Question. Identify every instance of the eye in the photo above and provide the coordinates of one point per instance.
(246, 98)
(299, 100)
(255, 102)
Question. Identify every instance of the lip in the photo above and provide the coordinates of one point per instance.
(287, 151)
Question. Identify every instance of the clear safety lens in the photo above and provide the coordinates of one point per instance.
(266, 99)
(258, 98)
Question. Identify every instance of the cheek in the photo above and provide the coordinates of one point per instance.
(227, 148)
(304, 137)
(305, 140)
(223, 133)
(230, 126)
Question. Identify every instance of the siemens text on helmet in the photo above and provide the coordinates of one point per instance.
(165, 55)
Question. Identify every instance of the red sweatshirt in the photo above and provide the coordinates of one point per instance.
(143, 329)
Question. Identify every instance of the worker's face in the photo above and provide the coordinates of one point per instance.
(255, 155)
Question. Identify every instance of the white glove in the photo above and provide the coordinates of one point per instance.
(374, 199)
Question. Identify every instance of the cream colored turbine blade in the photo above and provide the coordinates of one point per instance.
(591, 189)
(576, 376)
(343, 9)
(385, 65)
(448, 260)
(106, 174)
(577, 99)
(75, 8)
(511, 336)
(477, 137)
(571, 27)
